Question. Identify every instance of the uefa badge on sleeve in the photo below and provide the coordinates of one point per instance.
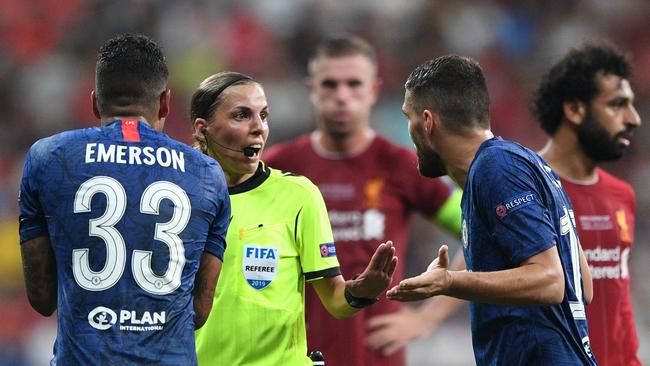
(260, 263)
(327, 250)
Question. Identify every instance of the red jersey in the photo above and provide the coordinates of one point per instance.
(604, 213)
(370, 198)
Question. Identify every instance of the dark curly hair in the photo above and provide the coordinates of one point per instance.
(573, 78)
(454, 87)
(131, 70)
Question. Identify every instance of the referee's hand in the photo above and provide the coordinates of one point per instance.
(378, 274)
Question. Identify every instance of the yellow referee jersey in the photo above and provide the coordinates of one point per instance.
(279, 237)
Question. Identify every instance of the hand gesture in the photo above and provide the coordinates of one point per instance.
(430, 283)
(377, 275)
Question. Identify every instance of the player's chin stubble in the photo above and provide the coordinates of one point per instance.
(597, 142)
(430, 163)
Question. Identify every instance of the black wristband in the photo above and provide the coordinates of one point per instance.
(358, 302)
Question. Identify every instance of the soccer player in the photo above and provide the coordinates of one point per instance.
(371, 189)
(279, 238)
(527, 278)
(122, 228)
(586, 105)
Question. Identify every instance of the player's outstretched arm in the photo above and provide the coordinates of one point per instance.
(204, 284)
(344, 298)
(435, 280)
(392, 331)
(539, 280)
(39, 268)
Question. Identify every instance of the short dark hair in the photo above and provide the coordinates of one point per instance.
(573, 78)
(207, 96)
(344, 45)
(130, 71)
(454, 87)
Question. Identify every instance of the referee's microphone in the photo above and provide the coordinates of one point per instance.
(317, 358)
(247, 151)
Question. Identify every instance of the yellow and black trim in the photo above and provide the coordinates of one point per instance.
(261, 174)
(324, 273)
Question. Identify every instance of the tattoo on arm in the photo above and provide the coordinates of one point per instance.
(204, 287)
(39, 268)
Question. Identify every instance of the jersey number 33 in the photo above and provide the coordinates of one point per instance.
(104, 228)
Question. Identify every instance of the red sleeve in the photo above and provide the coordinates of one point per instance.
(275, 157)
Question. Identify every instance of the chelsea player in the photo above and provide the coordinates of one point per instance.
(122, 228)
(527, 278)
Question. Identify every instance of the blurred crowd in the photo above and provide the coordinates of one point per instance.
(48, 50)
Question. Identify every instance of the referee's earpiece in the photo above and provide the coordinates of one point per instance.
(204, 144)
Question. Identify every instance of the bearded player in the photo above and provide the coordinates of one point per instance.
(586, 105)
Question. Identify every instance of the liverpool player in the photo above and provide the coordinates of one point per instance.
(586, 105)
(371, 188)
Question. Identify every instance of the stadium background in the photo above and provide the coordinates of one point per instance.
(47, 56)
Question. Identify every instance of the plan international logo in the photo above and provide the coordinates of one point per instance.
(103, 318)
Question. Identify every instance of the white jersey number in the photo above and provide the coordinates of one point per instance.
(567, 223)
(103, 227)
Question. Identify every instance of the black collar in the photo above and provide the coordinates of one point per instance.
(255, 181)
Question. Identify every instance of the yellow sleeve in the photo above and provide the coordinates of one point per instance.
(315, 240)
(449, 214)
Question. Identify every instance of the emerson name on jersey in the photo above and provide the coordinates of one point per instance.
(123, 154)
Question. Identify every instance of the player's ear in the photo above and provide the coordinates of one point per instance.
(309, 79)
(376, 88)
(93, 99)
(165, 103)
(574, 111)
(431, 121)
(200, 129)
(309, 83)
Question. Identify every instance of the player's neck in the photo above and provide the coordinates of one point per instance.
(109, 119)
(233, 179)
(458, 152)
(337, 146)
(569, 160)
